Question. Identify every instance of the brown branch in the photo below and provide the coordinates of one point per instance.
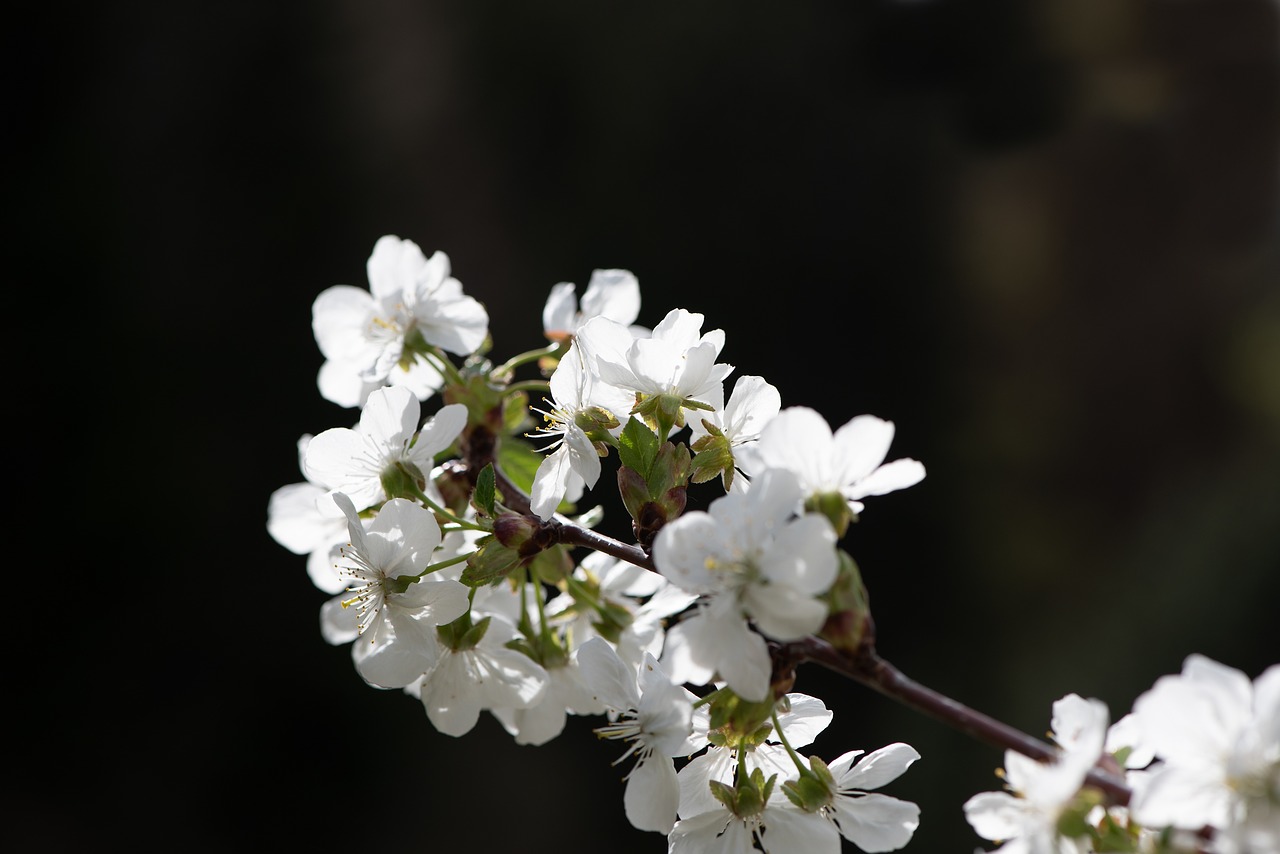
(868, 668)
(479, 453)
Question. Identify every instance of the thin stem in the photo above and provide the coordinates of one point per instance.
(782, 736)
(528, 385)
(445, 512)
(445, 366)
(508, 367)
(453, 561)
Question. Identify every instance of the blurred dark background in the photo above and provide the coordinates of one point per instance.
(1041, 237)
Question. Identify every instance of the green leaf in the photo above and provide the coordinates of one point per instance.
(483, 497)
(637, 447)
(519, 461)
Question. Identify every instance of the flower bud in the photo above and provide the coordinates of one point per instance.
(848, 610)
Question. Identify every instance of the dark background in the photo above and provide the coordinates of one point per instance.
(1041, 237)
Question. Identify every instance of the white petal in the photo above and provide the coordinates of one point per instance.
(397, 654)
(388, 420)
(439, 433)
(294, 522)
(742, 657)
(338, 624)
(751, 405)
(507, 677)
(799, 439)
(550, 482)
(802, 554)
(411, 530)
(1266, 703)
(614, 294)
(1080, 725)
(996, 815)
(787, 830)
(680, 551)
(889, 477)
(560, 310)
(877, 768)
(611, 681)
(339, 456)
(652, 794)
(783, 612)
(1186, 722)
(861, 446)
(716, 831)
(876, 822)
(435, 601)
(806, 719)
(1183, 798)
(695, 781)
(449, 695)
(393, 265)
(678, 656)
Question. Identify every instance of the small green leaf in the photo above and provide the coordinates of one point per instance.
(637, 447)
(485, 493)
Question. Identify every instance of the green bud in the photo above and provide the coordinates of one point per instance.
(848, 608)
(613, 621)
(551, 564)
(714, 458)
(403, 480)
(835, 507)
(490, 564)
(739, 722)
(593, 418)
(808, 791)
(461, 634)
(633, 490)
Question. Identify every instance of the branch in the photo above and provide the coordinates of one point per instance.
(868, 668)
(479, 453)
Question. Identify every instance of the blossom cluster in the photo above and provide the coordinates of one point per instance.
(463, 570)
(1200, 752)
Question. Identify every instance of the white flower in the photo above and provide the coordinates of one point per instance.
(395, 613)
(614, 294)
(302, 518)
(1026, 817)
(353, 461)
(805, 718)
(872, 821)
(653, 715)
(849, 462)
(464, 682)
(365, 330)
(749, 558)
(567, 693)
(676, 360)
(627, 602)
(342, 384)
(778, 828)
(573, 461)
(1216, 737)
(368, 337)
(752, 404)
